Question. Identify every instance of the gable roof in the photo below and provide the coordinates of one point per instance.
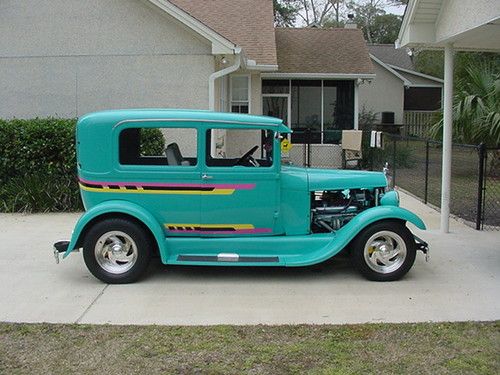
(220, 44)
(409, 77)
(322, 51)
(388, 54)
(249, 24)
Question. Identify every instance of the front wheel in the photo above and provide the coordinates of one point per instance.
(384, 251)
(117, 251)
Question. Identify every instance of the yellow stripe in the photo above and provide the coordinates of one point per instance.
(231, 226)
(142, 191)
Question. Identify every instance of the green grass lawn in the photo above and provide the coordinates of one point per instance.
(424, 348)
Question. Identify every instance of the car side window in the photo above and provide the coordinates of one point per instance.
(239, 147)
(158, 146)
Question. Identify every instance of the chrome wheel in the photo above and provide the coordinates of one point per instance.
(116, 252)
(385, 252)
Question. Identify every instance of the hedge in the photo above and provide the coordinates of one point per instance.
(38, 164)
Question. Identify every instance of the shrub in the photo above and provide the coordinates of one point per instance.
(40, 193)
(152, 142)
(38, 164)
(376, 158)
(37, 146)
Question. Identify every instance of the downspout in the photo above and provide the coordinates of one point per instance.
(218, 74)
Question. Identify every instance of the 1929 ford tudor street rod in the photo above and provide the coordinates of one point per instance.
(207, 188)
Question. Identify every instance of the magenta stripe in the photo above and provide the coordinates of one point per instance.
(158, 184)
(237, 231)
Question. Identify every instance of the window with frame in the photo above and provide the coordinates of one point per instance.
(158, 146)
(240, 94)
(240, 147)
(325, 107)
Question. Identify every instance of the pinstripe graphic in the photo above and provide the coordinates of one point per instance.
(161, 188)
(215, 228)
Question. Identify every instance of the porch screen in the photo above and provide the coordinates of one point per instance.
(326, 107)
(306, 109)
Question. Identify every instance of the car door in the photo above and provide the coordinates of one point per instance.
(239, 199)
(162, 175)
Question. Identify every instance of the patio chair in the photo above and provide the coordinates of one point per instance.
(351, 149)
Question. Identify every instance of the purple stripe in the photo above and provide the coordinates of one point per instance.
(237, 231)
(158, 184)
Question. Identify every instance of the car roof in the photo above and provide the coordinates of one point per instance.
(114, 117)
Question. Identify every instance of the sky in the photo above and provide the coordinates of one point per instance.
(395, 9)
(399, 10)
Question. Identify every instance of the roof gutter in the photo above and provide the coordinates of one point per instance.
(390, 69)
(221, 73)
(279, 75)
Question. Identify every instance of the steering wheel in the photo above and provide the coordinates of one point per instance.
(247, 158)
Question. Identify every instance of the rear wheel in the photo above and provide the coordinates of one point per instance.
(384, 251)
(117, 251)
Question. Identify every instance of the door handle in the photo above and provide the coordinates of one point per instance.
(205, 176)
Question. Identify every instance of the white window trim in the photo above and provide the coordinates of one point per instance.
(288, 104)
(249, 76)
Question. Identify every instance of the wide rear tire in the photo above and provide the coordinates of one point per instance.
(117, 251)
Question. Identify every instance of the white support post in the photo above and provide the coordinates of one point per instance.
(447, 138)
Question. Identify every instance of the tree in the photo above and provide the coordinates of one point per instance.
(285, 12)
(385, 29)
(432, 62)
(476, 111)
(332, 13)
(318, 11)
(429, 62)
(369, 15)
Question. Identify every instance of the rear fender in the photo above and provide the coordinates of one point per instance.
(119, 207)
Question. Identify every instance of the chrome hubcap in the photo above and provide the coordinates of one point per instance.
(116, 252)
(385, 252)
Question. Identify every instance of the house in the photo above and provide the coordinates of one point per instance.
(410, 95)
(467, 25)
(70, 57)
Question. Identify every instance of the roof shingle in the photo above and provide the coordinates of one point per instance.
(388, 54)
(249, 24)
(312, 50)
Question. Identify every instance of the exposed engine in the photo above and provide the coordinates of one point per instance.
(331, 210)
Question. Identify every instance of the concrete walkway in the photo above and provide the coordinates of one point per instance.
(461, 282)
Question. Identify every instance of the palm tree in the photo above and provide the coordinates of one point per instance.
(476, 107)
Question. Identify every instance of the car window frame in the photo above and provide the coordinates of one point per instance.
(275, 167)
(152, 124)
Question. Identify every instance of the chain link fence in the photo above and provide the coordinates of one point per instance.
(415, 166)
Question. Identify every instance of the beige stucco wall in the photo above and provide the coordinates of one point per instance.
(69, 57)
(256, 94)
(384, 94)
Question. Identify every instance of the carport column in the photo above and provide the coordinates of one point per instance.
(447, 137)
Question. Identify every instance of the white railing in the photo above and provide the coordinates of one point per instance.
(417, 123)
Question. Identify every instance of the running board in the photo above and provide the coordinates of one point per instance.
(226, 258)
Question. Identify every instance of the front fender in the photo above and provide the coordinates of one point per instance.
(122, 207)
(383, 213)
(346, 234)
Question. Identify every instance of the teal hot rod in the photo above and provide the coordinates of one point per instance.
(212, 190)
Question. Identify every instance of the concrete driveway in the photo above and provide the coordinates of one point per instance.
(461, 282)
